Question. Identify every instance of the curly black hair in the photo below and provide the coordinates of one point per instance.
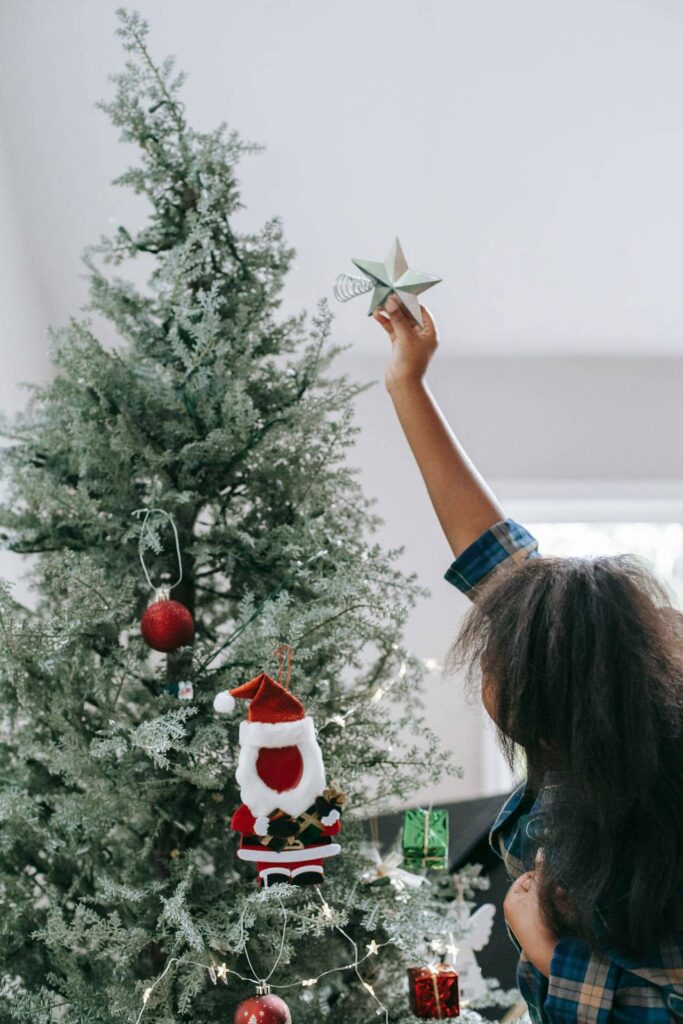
(584, 657)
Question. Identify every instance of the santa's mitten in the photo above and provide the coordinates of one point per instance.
(331, 818)
(323, 806)
(243, 821)
(261, 825)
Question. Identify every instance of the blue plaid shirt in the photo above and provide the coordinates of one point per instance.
(586, 985)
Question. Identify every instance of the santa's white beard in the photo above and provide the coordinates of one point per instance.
(260, 798)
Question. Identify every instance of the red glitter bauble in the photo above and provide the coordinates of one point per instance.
(263, 1010)
(167, 625)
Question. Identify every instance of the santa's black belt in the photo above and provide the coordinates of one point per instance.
(277, 843)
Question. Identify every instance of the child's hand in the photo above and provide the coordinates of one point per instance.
(412, 346)
(523, 914)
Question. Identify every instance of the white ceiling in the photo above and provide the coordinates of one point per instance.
(529, 152)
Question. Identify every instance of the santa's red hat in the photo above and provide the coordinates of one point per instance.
(270, 701)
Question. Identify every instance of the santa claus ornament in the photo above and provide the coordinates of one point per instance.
(166, 625)
(289, 819)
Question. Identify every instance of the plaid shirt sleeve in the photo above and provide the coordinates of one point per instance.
(503, 541)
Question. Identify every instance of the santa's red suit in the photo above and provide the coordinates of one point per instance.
(288, 817)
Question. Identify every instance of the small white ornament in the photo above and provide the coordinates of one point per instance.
(185, 690)
(452, 951)
(389, 867)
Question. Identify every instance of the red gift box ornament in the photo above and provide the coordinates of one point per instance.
(433, 992)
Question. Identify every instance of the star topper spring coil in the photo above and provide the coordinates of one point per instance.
(392, 277)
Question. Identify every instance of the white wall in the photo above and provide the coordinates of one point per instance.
(528, 152)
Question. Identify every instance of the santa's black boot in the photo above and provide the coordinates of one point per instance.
(271, 876)
(308, 874)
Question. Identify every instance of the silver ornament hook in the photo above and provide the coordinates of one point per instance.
(147, 512)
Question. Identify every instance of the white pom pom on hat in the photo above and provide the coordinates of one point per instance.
(224, 703)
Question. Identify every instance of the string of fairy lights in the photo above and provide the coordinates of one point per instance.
(220, 971)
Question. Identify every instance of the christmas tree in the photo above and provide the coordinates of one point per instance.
(121, 896)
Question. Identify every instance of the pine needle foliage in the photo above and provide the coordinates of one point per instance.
(116, 862)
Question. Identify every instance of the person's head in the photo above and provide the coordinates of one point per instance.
(581, 666)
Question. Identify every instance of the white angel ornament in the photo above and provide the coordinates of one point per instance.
(476, 931)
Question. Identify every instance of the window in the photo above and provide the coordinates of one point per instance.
(659, 545)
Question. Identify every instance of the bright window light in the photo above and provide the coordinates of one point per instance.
(660, 545)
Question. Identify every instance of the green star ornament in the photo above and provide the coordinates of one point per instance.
(394, 277)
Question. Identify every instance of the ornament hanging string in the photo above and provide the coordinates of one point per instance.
(285, 651)
(144, 528)
(374, 831)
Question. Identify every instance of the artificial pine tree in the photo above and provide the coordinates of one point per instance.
(118, 872)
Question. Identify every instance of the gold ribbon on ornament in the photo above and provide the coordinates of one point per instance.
(434, 971)
(425, 844)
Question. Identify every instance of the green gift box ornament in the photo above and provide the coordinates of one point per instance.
(425, 839)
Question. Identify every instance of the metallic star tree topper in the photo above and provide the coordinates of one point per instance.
(393, 276)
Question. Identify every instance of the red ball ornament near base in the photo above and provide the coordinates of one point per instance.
(263, 1009)
(166, 625)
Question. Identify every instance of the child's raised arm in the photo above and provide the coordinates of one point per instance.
(463, 502)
